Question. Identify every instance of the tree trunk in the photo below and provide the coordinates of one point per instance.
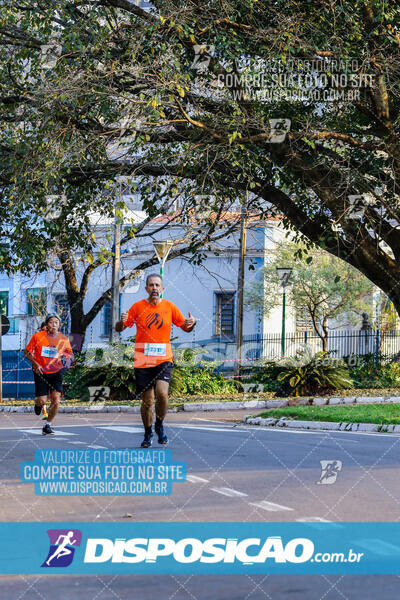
(78, 326)
(326, 334)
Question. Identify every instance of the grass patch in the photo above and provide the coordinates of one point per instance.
(380, 414)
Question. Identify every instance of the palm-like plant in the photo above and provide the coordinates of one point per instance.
(309, 373)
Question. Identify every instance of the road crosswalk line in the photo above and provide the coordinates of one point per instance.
(93, 447)
(270, 506)
(123, 428)
(195, 479)
(215, 429)
(39, 432)
(228, 492)
(313, 520)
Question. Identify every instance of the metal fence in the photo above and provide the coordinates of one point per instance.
(18, 377)
(268, 347)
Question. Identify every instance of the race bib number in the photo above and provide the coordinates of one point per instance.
(49, 352)
(155, 349)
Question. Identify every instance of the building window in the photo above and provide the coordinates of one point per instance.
(36, 301)
(4, 303)
(61, 307)
(107, 317)
(224, 313)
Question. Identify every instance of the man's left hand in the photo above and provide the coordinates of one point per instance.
(189, 323)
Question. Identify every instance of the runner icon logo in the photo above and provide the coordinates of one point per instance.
(155, 320)
(98, 396)
(202, 58)
(330, 470)
(62, 550)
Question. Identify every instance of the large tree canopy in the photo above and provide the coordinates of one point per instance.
(185, 93)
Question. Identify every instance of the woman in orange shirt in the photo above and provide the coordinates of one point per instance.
(50, 353)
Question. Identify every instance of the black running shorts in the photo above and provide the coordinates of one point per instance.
(47, 382)
(146, 377)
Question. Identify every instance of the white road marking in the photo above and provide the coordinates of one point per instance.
(12, 441)
(270, 506)
(228, 492)
(241, 428)
(202, 428)
(122, 428)
(80, 443)
(195, 479)
(18, 427)
(318, 523)
(97, 447)
(39, 432)
(210, 421)
(313, 520)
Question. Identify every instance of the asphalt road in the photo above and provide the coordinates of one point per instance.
(235, 473)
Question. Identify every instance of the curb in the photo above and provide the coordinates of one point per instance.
(320, 425)
(317, 401)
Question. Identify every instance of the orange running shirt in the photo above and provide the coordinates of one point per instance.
(47, 350)
(153, 331)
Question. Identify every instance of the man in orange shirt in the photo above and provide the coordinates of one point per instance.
(153, 354)
(50, 353)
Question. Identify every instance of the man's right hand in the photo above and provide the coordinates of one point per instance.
(120, 325)
(37, 368)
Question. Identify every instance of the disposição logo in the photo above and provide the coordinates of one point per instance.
(62, 547)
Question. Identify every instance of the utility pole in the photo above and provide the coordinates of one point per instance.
(115, 279)
(240, 287)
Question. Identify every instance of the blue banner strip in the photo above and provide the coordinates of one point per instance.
(220, 548)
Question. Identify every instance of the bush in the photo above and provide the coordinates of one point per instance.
(308, 374)
(201, 380)
(190, 380)
(371, 371)
(109, 366)
(193, 375)
(267, 374)
(120, 380)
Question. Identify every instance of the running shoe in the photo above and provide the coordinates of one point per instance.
(45, 413)
(37, 408)
(148, 439)
(47, 430)
(162, 438)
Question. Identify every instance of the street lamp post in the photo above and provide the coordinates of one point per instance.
(162, 249)
(283, 276)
